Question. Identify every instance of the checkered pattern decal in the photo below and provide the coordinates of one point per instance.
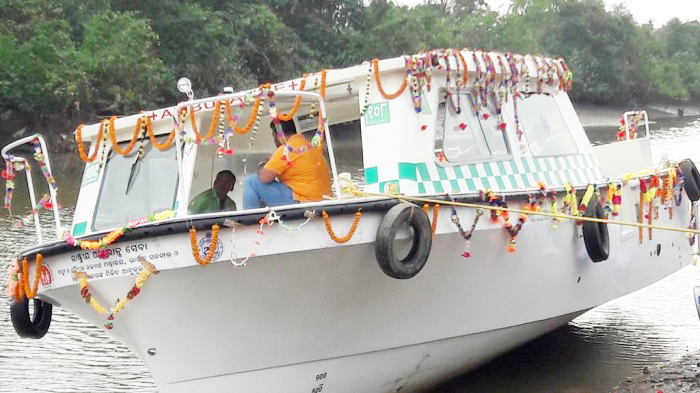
(515, 174)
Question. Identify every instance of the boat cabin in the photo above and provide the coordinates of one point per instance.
(433, 123)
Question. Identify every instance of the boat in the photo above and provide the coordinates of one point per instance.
(469, 214)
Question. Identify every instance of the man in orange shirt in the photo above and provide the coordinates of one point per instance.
(302, 172)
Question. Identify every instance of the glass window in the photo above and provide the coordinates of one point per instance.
(134, 188)
(544, 126)
(465, 136)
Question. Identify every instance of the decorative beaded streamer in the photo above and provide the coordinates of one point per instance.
(466, 235)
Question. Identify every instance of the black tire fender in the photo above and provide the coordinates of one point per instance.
(31, 326)
(692, 179)
(595, 234)
(396, 218)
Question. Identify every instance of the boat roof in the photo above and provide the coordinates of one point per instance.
(523, 73)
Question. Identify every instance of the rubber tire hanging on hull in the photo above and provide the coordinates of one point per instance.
(396, 218)
(692, 179)
(595, 234)
(24, 324)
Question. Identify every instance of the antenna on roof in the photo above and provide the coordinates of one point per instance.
(184, 85)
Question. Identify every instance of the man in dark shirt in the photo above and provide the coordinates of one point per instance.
(215, 199)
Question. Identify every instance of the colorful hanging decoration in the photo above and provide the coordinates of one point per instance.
(9, 175)
(81, 147)
(212, 247)
(268, 220)
(104, 124)
(570, 203)
(448, 81)
(365, 103)
(257, 110)
(39, 157)
(134, 138)
(566, 81)
(415, 84)
(539, 67)
(478, 85)
(668, 190)
(24, 289)
(492, 199)
(436, 211)
(525, 71)
(297, 103)
(113, 236)
(148, 270)
(375, 63)
(25, 221)
(97, 244)
(467, 236)
(617, 199)
(350, 233)
(152, 136)
(13, 281)
(489, 85)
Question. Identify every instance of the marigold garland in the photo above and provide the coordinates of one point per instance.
(212, 126)
(25, 289)
(113, 137)
(436, 210)
(465, 76)
(105, 241)
(212, 246)
(297, 103)
(322, 90)
(375, 63)
(148, 270)
(251, 118)
(154, 141)
(350, 233)
(81, 148)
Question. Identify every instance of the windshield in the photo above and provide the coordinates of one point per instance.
(134, 188)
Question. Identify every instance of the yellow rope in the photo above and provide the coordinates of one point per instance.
(539, 213)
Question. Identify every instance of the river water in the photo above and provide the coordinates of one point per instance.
(591, 354)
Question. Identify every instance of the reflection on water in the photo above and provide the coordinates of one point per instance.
(591, 354)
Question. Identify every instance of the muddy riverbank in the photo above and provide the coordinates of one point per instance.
(676, 377)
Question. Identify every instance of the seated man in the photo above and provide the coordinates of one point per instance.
(215, 199)
(303, 177)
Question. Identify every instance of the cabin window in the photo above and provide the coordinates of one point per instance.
(249, 154)
(544, 126)
(347, 146)
(464, 136)
(133, 188)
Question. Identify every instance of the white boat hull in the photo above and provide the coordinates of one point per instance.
(285, 319)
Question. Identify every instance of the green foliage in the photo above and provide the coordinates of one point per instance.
(120, 73)
(119, 56)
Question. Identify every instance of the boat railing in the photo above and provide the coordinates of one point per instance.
(184, 187)
(632, 119)
(30, 184)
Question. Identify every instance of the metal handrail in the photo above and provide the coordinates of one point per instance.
(184, 189)
(627, 116)
(30, 184)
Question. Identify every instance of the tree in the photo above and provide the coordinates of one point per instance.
(120, 72)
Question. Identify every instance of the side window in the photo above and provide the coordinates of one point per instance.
(464, 136)
(544, 126)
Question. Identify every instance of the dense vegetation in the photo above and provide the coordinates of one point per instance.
(65, 61)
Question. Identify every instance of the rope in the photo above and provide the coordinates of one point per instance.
(539, 213)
